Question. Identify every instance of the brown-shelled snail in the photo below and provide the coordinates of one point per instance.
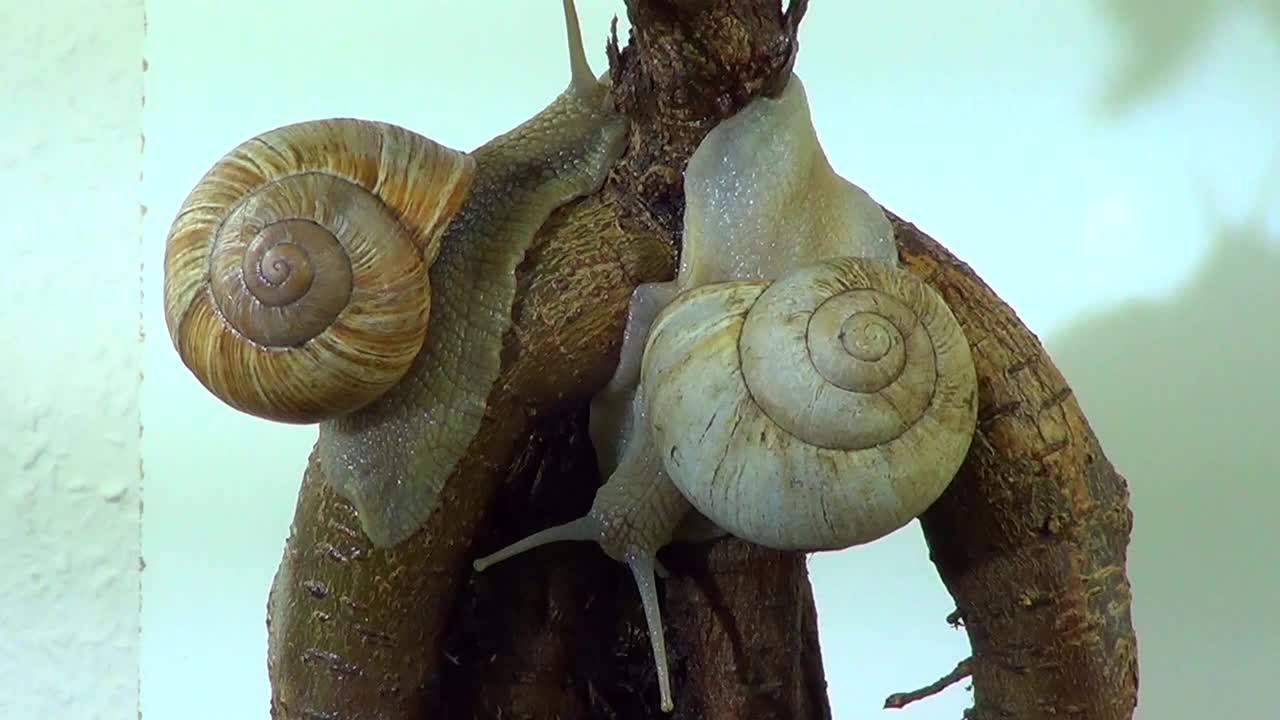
(360, 276)
(792, 386)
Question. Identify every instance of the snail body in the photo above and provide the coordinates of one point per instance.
(792, 386)
(392, 459)
(394, 363)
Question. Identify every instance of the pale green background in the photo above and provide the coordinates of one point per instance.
(979, 121)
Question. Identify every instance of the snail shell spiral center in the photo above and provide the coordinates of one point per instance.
(867, 338)
(290, 278)
(277, 268)
(855, 340)
(838, 357)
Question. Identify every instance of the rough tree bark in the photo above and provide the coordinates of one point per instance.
(1030, 539)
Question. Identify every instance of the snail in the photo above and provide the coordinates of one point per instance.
(792, 386)
(359, 276)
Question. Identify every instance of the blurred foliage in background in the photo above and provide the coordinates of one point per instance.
(1164, 37)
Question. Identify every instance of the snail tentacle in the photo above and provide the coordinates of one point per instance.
(633, 516)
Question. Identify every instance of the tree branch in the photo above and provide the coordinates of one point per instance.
(962, 670)
(1029, 540)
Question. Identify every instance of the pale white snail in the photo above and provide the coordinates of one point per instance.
(360, 276)
(792, 386)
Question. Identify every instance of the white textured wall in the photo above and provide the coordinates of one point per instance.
(70, 158)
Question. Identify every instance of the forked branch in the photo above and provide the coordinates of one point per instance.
(1030, 540)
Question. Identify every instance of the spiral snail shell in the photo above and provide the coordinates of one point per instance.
(839, 397)
(296, 270)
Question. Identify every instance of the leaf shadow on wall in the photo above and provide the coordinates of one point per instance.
(1162, 38)
(1185, 396)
